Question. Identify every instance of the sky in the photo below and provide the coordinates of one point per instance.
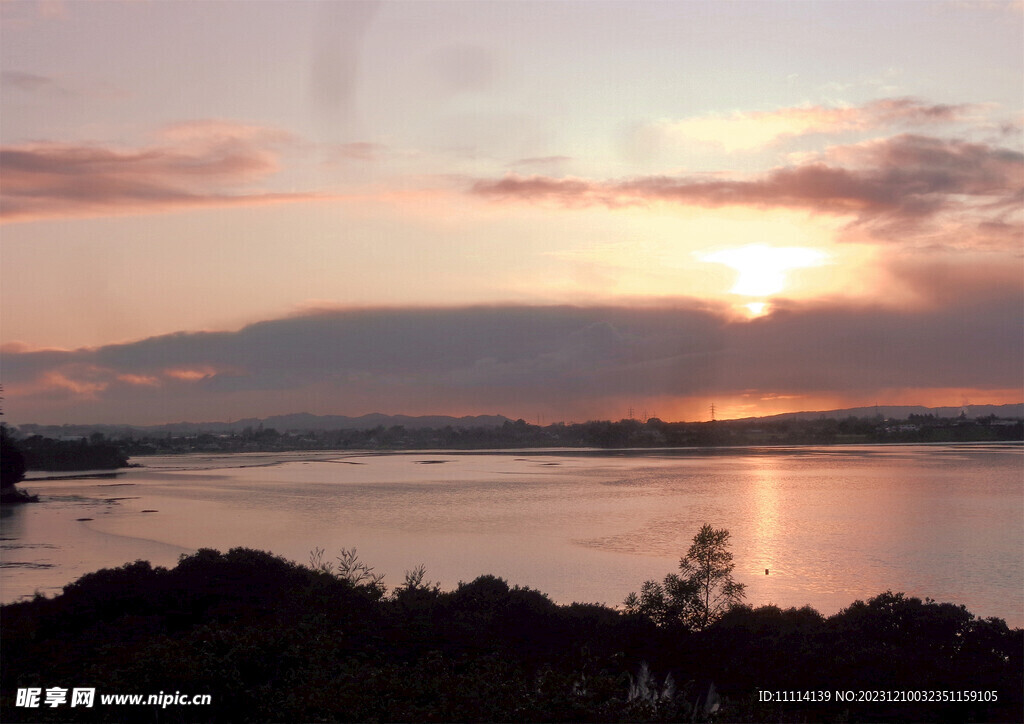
(551, 210)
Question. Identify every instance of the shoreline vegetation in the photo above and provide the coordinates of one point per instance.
(272, 640)
(110, 451)
(12, 471)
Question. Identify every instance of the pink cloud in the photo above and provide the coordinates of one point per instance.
(186, 374)
(143, 380)
(907, 182)
(27, 82)
(85, 375)
(756, 129)
(207, 163)
(542, 161)
(87, 384)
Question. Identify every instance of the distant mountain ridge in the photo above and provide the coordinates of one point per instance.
(307, 421)
(304, 421)
(296, 422)
(901, 412)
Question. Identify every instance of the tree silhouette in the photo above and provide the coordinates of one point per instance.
(701, 594)
(12, 466)
(12, 462)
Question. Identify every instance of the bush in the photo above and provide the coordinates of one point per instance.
(275, 641)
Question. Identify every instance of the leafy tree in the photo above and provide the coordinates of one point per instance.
(350, 568)
(11, 460)
(12, 471)
(702, 591)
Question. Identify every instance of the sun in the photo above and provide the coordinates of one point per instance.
(762, 270)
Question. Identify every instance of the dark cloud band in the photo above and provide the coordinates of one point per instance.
(487, 358)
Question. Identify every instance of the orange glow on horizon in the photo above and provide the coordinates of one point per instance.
(737, 406)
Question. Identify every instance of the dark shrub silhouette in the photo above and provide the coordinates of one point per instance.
(12, 471)
(43, 453)
(12, 462)
(274, 641)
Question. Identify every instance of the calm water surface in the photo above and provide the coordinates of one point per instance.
(832, 524)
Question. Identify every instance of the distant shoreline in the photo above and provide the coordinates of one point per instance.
(100, 451)
(767, 449)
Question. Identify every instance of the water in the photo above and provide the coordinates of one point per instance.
(831, 524)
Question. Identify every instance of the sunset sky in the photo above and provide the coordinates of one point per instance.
(549, 210)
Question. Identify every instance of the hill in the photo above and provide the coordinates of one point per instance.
(902, 412)
(297, 422)
(304, 422)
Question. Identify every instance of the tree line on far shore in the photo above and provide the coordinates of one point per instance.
(110, 450)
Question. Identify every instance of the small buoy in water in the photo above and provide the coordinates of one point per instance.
(766, 571)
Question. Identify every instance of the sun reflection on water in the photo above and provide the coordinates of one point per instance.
(765, 498)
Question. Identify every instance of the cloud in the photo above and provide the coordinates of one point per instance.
(204, 163)
(744, 131)
(542, 161)
(334, 73)
(25, 81)
(356, 151)
(569, 360)
(907, 185)
(949, 281)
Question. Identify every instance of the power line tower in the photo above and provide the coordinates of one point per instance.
(712, 412)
